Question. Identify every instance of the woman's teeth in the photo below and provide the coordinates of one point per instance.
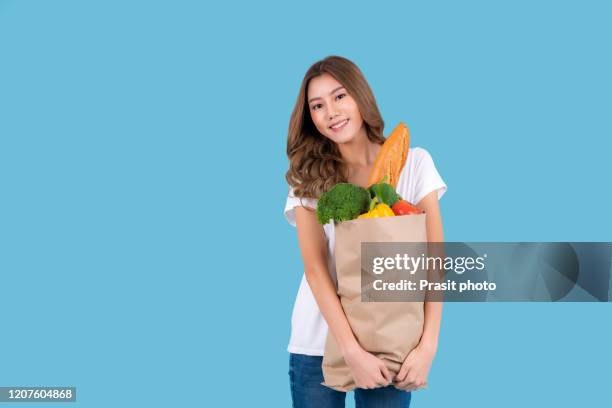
(340, 125)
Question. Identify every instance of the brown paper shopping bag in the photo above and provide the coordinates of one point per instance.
(389, 330)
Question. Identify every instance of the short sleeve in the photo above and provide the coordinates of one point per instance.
(293, 201)
(427, 178)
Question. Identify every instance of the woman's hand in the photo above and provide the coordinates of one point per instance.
(415, 368)
(368, 370)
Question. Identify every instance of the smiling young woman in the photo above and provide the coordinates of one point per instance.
(335, 133)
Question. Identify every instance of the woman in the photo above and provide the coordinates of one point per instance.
(335, 133)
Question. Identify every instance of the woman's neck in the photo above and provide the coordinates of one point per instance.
(359, 152)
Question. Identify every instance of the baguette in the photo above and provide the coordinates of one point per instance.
(391, 157)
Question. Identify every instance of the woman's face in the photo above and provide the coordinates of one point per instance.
(333, 111)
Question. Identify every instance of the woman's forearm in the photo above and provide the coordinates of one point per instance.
(431, 326)
(324, 292)
(435, 233)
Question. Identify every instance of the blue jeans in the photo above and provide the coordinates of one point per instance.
(306, 376)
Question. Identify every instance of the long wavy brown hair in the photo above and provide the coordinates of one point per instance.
(315, 163)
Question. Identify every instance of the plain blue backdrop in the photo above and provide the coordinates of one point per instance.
(144, 256)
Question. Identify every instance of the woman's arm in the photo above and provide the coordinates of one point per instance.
(435, 233)
(368, 370)
(415, 369)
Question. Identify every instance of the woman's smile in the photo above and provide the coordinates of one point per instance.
(339, 126)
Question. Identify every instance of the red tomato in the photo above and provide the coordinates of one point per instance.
(403, 207)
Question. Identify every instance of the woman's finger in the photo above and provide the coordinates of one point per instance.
(387, 374)
(407, 384)
(401, 376)
(381, 381)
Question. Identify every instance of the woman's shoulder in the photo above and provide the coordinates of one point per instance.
(419, 176)
(417, 161)
(416, 153)
(415, 157)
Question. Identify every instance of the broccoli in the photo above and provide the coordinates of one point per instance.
(385, 193)
(343, 202)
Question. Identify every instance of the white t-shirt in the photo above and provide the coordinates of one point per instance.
(418, 178)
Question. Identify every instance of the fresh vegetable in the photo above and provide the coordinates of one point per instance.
(381, 210)
(384, 192)
(403, 207)
(378, 209)
(391, 157)
(343, 202)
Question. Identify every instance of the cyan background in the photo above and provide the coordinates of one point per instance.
(144, 256)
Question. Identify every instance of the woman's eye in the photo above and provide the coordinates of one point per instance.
(342, 95)
(315, 107)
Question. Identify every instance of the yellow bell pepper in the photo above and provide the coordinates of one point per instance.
(380, 210)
